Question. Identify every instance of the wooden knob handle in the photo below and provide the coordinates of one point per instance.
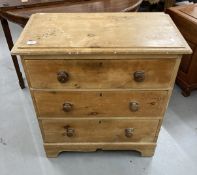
(134, 106)
(67, 107)
(139, 76)
(62, 76)
(129, 132)
(70, 132)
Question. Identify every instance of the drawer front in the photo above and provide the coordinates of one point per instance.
(99, 130)
(96, 74)
(100, 103)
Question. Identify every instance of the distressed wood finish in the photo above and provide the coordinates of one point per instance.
(106, 33)
(99, 130)
(82, 78)
(96, 74)
(101, 103)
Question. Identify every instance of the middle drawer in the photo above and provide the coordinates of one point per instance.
(126, 103)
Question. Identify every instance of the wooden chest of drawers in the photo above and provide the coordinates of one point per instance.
(100, 81)
(185, 17)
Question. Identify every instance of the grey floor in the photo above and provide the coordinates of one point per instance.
(21, 151)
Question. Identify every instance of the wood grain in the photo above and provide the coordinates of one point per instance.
(101, 34)
(100, 74)
(100, 103)
(99, 130)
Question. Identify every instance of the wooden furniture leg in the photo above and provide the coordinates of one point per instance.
(9, 40)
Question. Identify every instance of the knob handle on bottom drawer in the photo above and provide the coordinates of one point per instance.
(70, 132)
(67, 107)
(129, 132)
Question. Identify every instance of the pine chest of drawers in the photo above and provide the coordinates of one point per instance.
(100, 81)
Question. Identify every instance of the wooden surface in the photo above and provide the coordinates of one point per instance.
(80, 6)
(9, 4)
(185, 18)
(101, 103)
(20, 13)
(95, 74)
(103, 33)
(100, 87)
(99, 130)
(190, 10)
(74, 4)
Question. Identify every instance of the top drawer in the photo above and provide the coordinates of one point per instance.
(100, 74)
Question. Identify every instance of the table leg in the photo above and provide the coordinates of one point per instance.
(9, 40)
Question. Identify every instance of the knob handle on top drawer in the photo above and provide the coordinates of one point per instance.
(67, 107)
(129, 132)
(139, 76)
(134, 106)
(62, 76)
(70, 132)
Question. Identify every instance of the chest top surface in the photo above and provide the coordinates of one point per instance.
(76, 33)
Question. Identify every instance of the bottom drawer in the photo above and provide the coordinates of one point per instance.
(99, 130)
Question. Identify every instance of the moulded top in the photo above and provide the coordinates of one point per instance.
(84, 33)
